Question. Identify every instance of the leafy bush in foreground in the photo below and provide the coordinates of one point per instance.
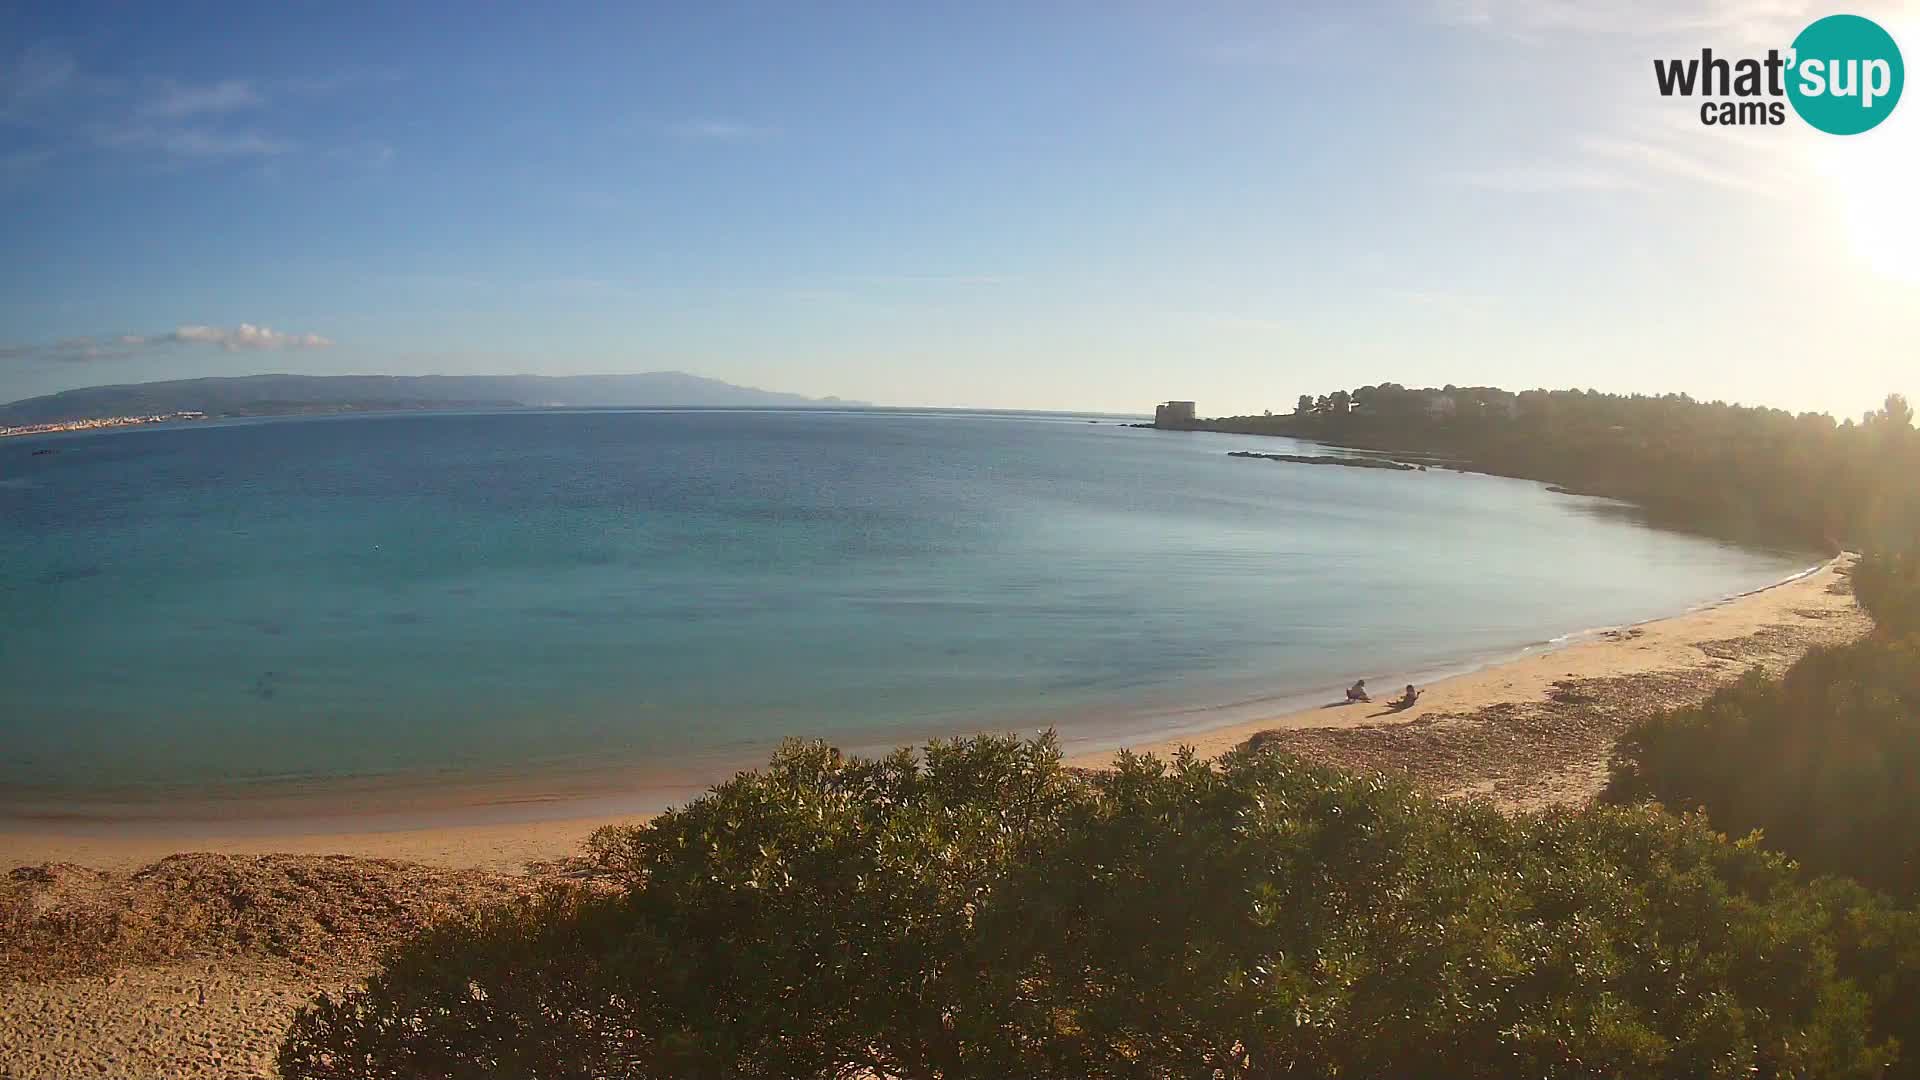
(988, 913)
(1888, 586)
(1824, 761)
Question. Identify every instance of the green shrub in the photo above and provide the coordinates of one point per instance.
(988, 913)
(1824, 761)
(1888, 586)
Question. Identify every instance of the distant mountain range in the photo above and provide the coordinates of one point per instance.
(274, 395)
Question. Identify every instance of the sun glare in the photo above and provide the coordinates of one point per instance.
(1872, 177)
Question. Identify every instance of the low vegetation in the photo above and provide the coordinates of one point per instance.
(1824, 761)
(1888, 585)
(988, 912)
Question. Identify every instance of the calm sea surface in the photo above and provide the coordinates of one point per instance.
(597, 599)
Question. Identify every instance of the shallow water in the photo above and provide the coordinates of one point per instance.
(426, 599)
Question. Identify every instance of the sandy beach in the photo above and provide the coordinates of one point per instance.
(119, 957)
(1537, 730)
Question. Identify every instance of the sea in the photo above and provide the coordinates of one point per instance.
(529, 610)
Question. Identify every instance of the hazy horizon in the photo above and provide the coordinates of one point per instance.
(850, 402)
(1078, 208)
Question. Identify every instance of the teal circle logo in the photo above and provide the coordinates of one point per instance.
(1846, 74)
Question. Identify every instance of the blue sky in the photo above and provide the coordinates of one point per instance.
(1022, 205)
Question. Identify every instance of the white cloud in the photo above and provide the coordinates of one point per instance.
(124, 346)
(246, 335)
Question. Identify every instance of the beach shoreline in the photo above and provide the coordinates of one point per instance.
(199, 949)
(1537, 730)
(466, 838)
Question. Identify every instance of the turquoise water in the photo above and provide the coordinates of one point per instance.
(617, 596)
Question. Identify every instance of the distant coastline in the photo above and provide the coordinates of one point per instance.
(294, 395)
(1666, 455)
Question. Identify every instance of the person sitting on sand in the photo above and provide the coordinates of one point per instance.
(1358, 691)
(1406, 700)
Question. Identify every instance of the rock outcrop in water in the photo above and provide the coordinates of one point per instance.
(1326, 459)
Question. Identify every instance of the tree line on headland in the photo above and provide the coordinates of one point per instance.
(1751, 472)
(980, 910)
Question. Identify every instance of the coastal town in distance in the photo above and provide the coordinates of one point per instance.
(99, 422)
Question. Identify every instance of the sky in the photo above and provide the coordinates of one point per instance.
(1050, 206)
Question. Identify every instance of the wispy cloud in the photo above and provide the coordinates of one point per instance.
(1234, 321)
(78, 350)
(1648, 156)
(1629, 139)
(717, 131)
(1445, 301)
(195, 142)
(1527, 179)
(1315, 44)
(34, 80)
(173, 101)
(932, 279)
(344, 79)
(1648, 153)
(1726, 22)
(371, 155)
(246, 336)
(164, 120)
(21, 162)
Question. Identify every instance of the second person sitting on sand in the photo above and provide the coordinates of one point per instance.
(1358, 691)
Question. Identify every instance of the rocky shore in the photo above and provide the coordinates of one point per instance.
(1327, 459)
